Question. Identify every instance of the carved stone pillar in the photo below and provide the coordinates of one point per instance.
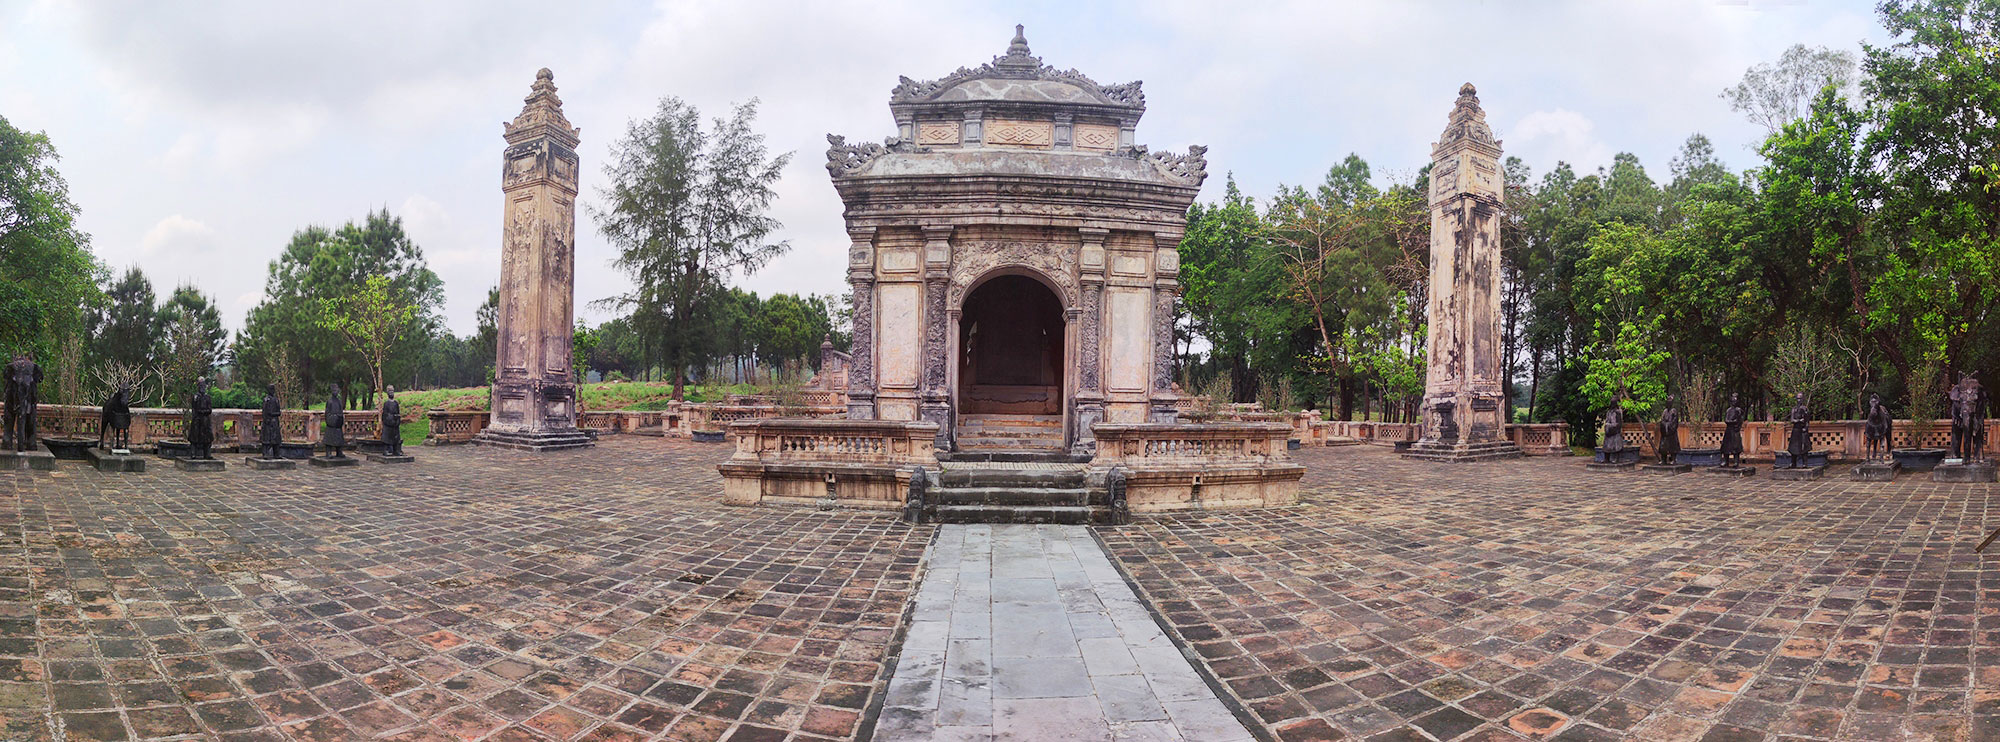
(935, 404)
(1089, 320)
(1166, 287)
(861, 276)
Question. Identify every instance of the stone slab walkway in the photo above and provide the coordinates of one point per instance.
(1024, 632)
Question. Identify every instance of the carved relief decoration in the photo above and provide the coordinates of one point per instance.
(976, 259)
(1020, 133)
(1191, 168)
(934, 335)
(1096, 136)
(843, 159)
(542, 112)
(1018, 64)
(1163, 339)
(942, 133)
(862, 376)
(1089, 336)
(1468, 120)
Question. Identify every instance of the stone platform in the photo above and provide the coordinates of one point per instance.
(186, 464)
(1666, 469)
(383, 458)
(35, 460)
(271, 464)
(1463, 452)
(1798, 474)
(1875, 471)
(1981, 471)
(566, 440)
(1731, 471)
(107, 461)
(330, 462)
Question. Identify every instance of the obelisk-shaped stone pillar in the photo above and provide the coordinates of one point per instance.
(1462, 385)
(534, 392)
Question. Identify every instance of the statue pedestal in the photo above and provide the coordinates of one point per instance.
(1783, 459)
(198, 464)
(272, 464)
(36, 460)
(1460, 451)
(1732, 471)
(558, 440)
(119, 460)
(1667, 469)
(1623, 459)
(328, 462)
(1977, 471)
(1798, 474)
(1875, 471)
(384, 458)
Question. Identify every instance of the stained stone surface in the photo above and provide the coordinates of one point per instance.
(1533, 601)
(1027, 633)
(607, 594)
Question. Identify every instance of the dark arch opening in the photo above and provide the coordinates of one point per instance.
(1010, 337)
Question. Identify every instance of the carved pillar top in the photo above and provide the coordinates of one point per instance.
(861, 253)
(937, 249)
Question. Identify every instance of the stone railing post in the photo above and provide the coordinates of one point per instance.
(935, 405)
(1090, 341)
(1166, 287)
(861, 277)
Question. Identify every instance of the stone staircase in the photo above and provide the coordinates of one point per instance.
(1461, 452)
(1004, 432)
(1055, 489)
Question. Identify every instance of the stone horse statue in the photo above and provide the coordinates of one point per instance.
(115, 421)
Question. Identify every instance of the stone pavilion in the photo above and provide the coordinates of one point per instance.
(1014, 257)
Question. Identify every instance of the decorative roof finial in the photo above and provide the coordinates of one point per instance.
(545, 74)
(1020, 43)
(1467, 89)
(1018, 62)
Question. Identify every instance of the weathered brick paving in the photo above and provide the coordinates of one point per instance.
(478, 594)
(1531, 599)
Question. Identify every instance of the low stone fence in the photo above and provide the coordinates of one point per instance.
(233, 427)
(852, 463)
(685, 418)
(456, 426)
(1540, 439)
(1844, 439)
(1307, 427)
(1380, 434)
(1535, 439)
(1199, 466)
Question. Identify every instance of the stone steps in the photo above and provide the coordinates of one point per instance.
(1053, 489)
(1487, 451)
(1009, 431)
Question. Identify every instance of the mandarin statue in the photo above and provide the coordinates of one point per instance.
(1614, 429)
(1732, 432)
(1670, 432)
(392, 425)
(201, 422)
(335, 434)
(270, 424)
(1876, 432)
(1800, 442)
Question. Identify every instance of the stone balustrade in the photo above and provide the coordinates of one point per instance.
(233, 427)
(1540, 439)
(852, 463)
(1199, 466)
(1845, 439)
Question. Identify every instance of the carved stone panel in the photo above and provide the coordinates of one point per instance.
(1096, 137)
(977, 258)
(937, 133)
(898, 328)
(1020, 133)
(1131, 322)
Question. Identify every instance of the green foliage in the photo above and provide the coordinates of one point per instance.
(48, 277)
(373, 321)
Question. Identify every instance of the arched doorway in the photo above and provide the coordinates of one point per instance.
(1010, 365)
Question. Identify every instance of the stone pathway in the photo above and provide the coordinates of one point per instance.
(1025, 632)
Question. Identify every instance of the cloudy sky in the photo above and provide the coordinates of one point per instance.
(197, 137)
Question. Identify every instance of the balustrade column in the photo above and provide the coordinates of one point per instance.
(936, 404)
(861, 276)
(1089, 322)
(1166, 267)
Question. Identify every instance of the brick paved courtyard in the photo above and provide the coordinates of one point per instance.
(608, 595)
(1409, 601)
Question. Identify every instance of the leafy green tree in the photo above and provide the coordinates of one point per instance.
(789, 328)
(48, 277)
(1774, 94)
(195, 342)
(372, 321)
(686, 209)
(128, 328)
(583, 341)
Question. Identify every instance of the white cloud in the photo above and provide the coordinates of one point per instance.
(1560, 135)
(178, 237)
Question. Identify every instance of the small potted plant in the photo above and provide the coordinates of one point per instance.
(1924, 408)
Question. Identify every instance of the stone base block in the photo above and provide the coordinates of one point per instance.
(36, 460)
(114, 461)
(328, 462)
(383, 458)
(1875, 471)
(1626, 455)
(1982, 471)
(272, 464)
(1732, 471)
(1799, 474)
(198, 464)
(1233, 487)
(555, 440)
(1699, 456)
(1605, 466)
(873, 487)
(1462, 452)
(1667, 469)
(1783, 459)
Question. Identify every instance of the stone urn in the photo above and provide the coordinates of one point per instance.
(1918, 459)
(68, 447)
(1699, 456)
(173, 448)
(710, 436)
(296, 450)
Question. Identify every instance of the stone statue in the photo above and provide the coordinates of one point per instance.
(1614, 430)
(115, 420)
(335, 435)
(201, 423)
(22, 377)
(392, 425)
(1876, 433)
(1968, 418)
(1732, 433)
(1670, 432)
(270, 428)
(1800, 443)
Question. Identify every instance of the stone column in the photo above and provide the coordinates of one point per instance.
(861, 277)
(1166, 287)
(935, 399)
(1089, 403)
(534, 395)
